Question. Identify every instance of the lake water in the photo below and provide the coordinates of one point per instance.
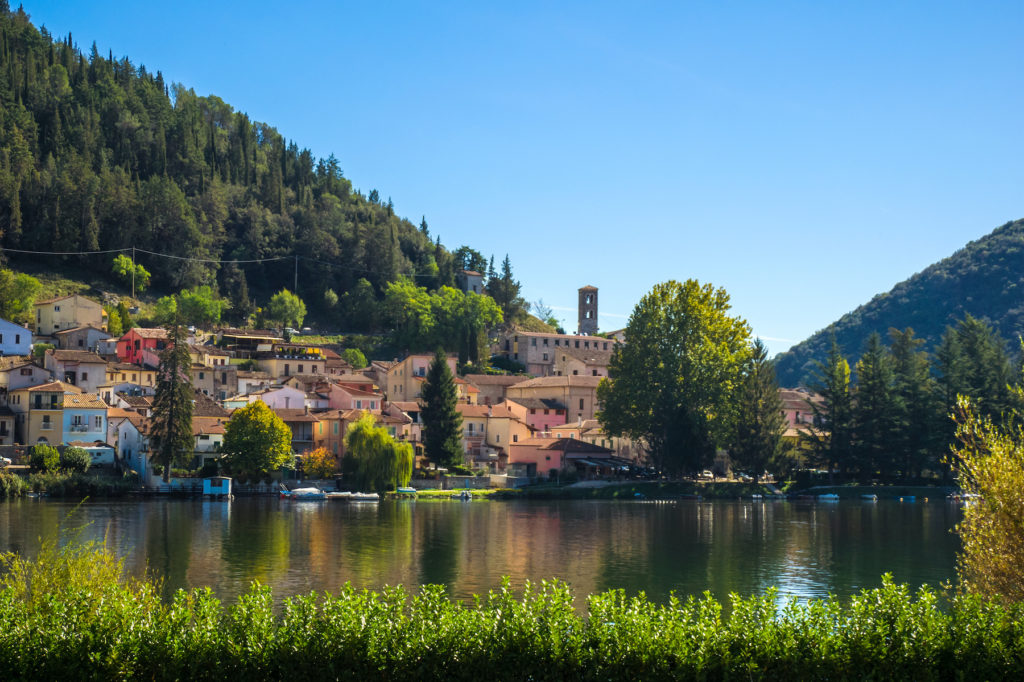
(806, 549)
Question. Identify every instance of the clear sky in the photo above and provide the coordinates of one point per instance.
(804, 156)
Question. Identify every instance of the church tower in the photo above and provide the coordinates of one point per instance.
(588, 310)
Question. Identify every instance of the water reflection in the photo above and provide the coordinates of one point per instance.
(805, 549)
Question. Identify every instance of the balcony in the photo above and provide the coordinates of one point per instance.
(79, 428)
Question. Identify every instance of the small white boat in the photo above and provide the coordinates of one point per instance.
(364, 497)
(407, 491)
(829, 497)
(304, 494)
(870, 498)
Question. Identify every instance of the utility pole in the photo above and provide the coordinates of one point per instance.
(133, 274)
(295, 289)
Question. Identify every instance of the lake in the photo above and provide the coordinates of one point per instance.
(806, 549)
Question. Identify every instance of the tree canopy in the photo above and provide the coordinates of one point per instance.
(256, 441)
(18, 292)
(170, 432)
(672, 384)
(373, 459)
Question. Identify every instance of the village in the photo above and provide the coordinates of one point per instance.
(95, 392)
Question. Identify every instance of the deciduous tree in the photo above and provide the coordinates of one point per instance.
(256, 441)
(673, 383)
(373, 459)
(286, 308)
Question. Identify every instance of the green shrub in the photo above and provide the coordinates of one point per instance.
(11, 485)
(44, 458)
(75, 460)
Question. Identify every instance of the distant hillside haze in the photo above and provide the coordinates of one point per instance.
(985, 279)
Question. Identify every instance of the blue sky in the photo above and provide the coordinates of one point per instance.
(804, 156)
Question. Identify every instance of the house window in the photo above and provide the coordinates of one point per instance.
(533, 342)
(515, 437)
(313, 369)
(545, 356)
(497, 438)
(202, 376)
(97, 422)
(46, 422)
(593, 372)
(575, 372)
(545, 342)
(81, 342)
(335, 428)
(605, 345)
(359, 404)
(533, 410)
(577, 343)
(56, 308)
(206, 438)
(471, 427)
(287, 369)
(300, 369)
(581, 403)
(586, 344)
(547, 411)
(76, 420)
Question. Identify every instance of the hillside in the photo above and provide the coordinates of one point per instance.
(97, 153)
(985, 279)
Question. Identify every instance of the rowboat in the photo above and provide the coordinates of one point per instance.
(304, 494)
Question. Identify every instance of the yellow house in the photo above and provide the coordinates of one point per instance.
(68, 312)
(406, 378)
(124, 373)
(39, 412)
(285, 360)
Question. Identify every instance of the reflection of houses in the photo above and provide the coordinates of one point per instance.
(80, 368)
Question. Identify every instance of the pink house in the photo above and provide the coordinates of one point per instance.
(796, 407)
(543, 457)
(539, 413)
(349, 398)
(130, 347)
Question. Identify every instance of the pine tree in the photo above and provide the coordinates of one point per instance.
(760, 423)
(875, 412)
(915, 442)
(442, 423)
(830, 440)
(171, 422)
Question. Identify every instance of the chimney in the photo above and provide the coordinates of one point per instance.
(307, 409)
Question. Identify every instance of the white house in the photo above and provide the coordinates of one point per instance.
(14, 339)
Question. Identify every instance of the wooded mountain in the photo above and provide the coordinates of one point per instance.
(985, 279)
(97, 153)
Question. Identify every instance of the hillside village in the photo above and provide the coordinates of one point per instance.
(95, 391)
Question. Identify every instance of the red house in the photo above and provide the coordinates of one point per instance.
(138, 339)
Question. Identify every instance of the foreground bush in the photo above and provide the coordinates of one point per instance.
(70, 614)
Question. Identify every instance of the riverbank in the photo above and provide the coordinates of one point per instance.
(71, 614)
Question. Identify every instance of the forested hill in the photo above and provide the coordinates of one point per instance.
(985, 279)
(97, 153)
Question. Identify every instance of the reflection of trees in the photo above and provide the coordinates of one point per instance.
(257, 547)
(372, 543)
(169, 543)
(438, 527)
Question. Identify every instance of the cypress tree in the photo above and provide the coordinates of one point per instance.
(442, 423)
(760, 425)
(171, 429)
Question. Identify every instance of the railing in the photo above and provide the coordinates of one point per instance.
(79, 428)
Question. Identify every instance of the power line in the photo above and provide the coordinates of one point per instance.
(65, 253)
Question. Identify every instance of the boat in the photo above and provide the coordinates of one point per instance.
(407, 491)
(755, 496)
(339, 497)
(828, 497)
(462, 495)
(364, 497)
(869, 497)
(304, 494)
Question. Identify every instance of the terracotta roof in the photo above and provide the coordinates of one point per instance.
(570, 380)
(495, 379)
(204, 426)
(289, 414)
(78, 329)
(57, 386)
(128, 367)
(472, 273)
(204, 406)
(14, 361)
(470, 388)
(582, 337)
(538, 403)
(407, 405)
(590, 356)
(567, 445)
(136, 400)
(358, 391)
(84, 401)
(75, 356)
(580, 424)
(148, 332)
(352, 379)
(588, 288)
(484, 411)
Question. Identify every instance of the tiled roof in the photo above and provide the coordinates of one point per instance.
(205, 426)
(538, 403)
(78, 329)
(136, 400)
(572, 380)
(289, 414)
(127, 367)
(14, 361)
(149, 332)
(204, 406)
(407, 405)
(567, 445)
(483, 411)
(83, 401)
(56, 386)
(481, 380)
(54, 300)
(590, 356)
(588, 288)
(75, 356)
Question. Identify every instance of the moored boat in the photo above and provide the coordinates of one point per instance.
(829, 497)
(304, 494)
(339, 497)
(364, 497)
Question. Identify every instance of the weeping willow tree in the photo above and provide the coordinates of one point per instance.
(373, 459)
(989, 463)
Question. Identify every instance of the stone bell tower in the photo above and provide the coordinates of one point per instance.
(588, 310)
